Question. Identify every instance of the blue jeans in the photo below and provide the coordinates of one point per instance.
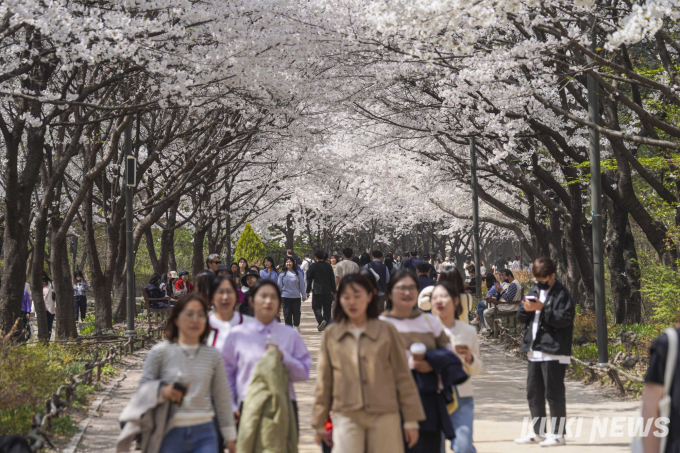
(481, 306)
(192, 439)
(462, 425)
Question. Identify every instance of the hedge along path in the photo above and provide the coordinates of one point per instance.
(55, 405)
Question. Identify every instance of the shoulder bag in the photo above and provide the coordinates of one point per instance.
(665, 403)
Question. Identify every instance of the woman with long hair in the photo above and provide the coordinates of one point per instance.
(391, 268)
(241, 270)
(192, 377)
(371, 404)
(446, 306)
(364, 259)
(224, 299)
(431, 359)
(334, 261)
(246, 344)
(292, 285)
(154, 291)
(455, 279)
(203, 283)
(269, 271)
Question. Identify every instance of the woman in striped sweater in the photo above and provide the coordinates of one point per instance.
(185, 359)
(435, 369)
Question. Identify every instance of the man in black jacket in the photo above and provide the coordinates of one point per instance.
(321, 283)
(379, 268)
(547, 313)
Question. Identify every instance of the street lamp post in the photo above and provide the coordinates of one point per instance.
(596, 202)
(130, 179)
(475, 216)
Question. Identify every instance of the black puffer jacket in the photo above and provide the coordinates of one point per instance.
(556, 326)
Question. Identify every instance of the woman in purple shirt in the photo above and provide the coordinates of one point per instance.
(246, 344)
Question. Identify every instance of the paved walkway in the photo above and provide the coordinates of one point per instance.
(500, 405)
(500, 408)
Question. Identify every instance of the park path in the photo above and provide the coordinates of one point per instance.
(500, 405)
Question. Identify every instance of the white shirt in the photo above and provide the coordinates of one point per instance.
(305, 265)
(220, 329)
(539, 356)
(466, 334)
(483, 268)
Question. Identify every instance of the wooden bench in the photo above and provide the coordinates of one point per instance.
(155, 315)
(507, 314)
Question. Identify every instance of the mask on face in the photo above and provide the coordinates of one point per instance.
(506, 281)
(542, 285)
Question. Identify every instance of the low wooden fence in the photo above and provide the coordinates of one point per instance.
(64, 396)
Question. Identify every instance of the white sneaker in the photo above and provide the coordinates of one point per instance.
(530, 438)
(475, 322)
(297, 328)
(553, 441)
(321, 326)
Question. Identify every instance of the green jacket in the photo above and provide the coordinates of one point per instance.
(267, 423)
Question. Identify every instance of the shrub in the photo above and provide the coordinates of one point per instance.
(660, 287)
(29, 375)
(585, 326)
(250, 246)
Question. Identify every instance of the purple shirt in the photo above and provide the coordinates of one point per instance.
(26, 303)
(245, 346)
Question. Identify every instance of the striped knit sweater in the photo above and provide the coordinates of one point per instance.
(419, 328)
(206, 380)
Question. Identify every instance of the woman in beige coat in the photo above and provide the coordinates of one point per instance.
(364, 378)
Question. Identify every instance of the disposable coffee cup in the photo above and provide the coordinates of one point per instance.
(418, 351)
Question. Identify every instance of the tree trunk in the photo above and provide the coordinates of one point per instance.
(630, 258)
(620, 289)
(100, 282)
(167, 258)
(197, 261)
(63, 286)
(118, 283)
(14, 270)
(17, 220)
(37, 268)
(227, 243)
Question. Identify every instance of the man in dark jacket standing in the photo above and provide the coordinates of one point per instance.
(424, 279)
(412, 262)
(379, 268)
(547, 313)
(321, 283)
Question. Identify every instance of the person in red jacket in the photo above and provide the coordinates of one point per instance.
(183, 284)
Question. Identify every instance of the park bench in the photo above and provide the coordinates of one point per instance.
(155, 315)
(498, 315)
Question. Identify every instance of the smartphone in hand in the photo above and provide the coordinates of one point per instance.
(182, 388)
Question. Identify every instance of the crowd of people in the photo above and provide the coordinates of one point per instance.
(397, 354)
(399, 346)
